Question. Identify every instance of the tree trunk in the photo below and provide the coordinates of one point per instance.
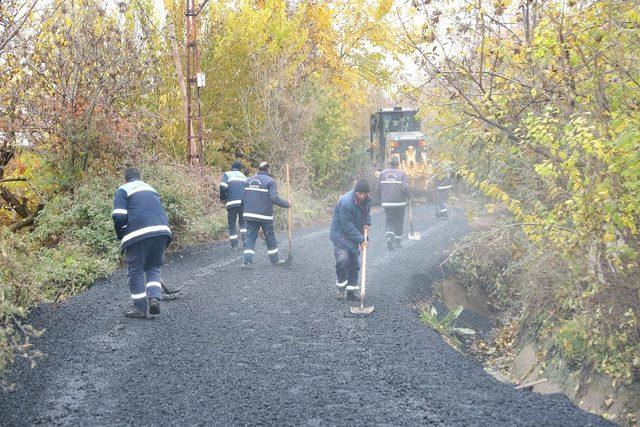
(178, 64)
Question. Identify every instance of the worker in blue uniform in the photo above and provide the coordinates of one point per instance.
(142, 226)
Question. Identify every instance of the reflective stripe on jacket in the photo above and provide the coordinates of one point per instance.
(232, 188)
(393, 187)
(260, 194)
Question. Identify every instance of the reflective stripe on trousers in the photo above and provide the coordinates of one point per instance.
(144, 259)
(253, 227)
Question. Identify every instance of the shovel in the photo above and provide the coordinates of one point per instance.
(363, 281)
(170, 294)
(167, 290)
(289, 259)
(412, 233)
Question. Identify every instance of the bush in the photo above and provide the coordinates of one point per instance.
(16, 294)
(554, 298)
(190, 200)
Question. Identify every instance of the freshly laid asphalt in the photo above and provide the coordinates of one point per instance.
(268, 346)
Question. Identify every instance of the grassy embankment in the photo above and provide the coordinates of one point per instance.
(495, 271)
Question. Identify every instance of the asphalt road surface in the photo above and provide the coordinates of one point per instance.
(268, 346)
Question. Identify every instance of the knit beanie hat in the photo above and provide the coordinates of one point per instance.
(131, 174)
(362, 186)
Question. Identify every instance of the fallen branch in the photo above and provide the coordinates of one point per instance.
(26, 221)
(13, 180)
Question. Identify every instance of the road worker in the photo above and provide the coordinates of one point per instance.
(142, 227)
(231, 191)
(443, 183)
(350, 218)
(260, 194)
(393, 188)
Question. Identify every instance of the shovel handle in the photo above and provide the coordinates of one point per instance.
(411, 217)
(289, 210)
(363, 281)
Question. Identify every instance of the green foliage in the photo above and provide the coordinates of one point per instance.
(543, 121)
(190, 200)
(445, 325)
(573, 341)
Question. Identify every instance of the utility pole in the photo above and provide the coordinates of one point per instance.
(195, 81)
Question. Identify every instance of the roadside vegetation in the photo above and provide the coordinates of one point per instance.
(538, 103)
(89, 87)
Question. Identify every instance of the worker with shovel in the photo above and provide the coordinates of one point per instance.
(231, 191)
(260, 194)
(393, 188)
(351, 217)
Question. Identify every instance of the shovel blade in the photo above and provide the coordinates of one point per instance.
(167, 290)
(361, 310)
(288, 261)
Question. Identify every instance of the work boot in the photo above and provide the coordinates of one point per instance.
(154, 306)
(136, 313)
(390, 243)
(398, 242)
(340, 293)
(234, 244)
(353, 295)
(278, 263)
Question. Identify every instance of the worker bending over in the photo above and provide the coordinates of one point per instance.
(350, 217)
(142, 227)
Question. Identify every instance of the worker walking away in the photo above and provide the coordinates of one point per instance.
(260, 194)
(231, 191)
(350, 217)
(142, 227)
(393, 188)
(443, 183)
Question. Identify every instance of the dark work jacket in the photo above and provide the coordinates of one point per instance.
(260, 194)
(444, 183)
(393, 187)
(232, 188)
(349, 219)
(138, 214)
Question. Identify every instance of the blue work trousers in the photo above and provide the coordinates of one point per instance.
(253, 227)
(144, 259)
(442, 194)
(347, 267)
(394, 221)
(234, 218)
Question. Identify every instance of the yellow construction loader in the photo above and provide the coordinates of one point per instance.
(396, 132)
